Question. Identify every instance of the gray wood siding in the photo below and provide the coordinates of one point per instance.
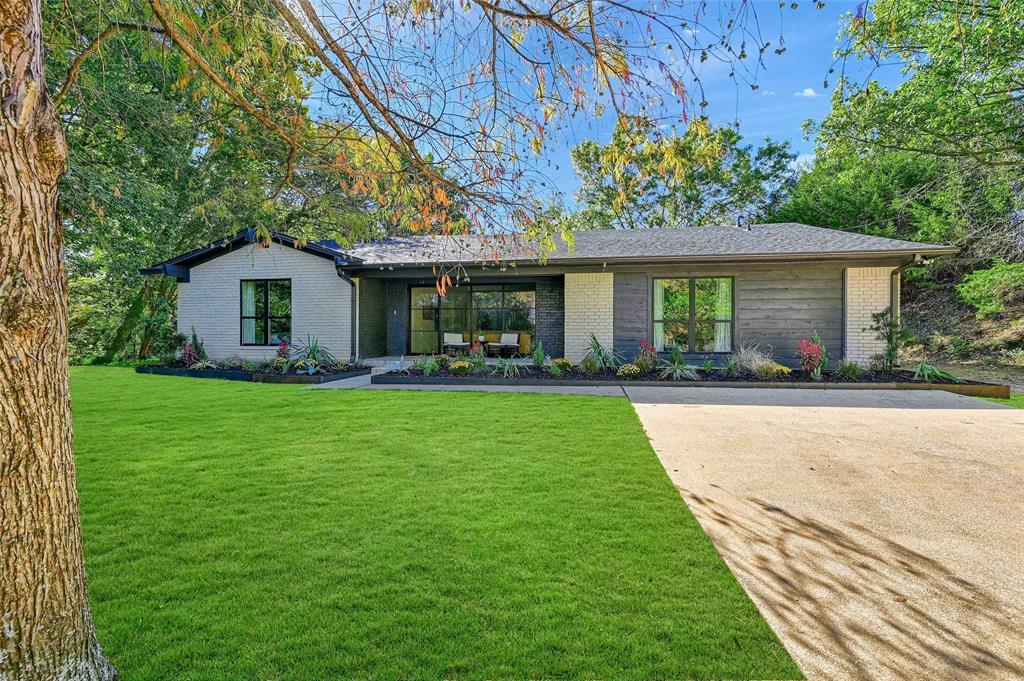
(779, 307)
(773, 306)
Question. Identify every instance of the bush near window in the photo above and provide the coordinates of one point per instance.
(849, 371)
(647, 358)
(564, 365)
(989, 291)
(772, 370)
(460, 367)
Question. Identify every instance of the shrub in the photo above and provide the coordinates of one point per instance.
(888, 329)
(508, 368)
(600, 357)
(749, 357)
(205, 364)
(731, 368)
(197, 345)
(772, 370)
(647, 358)
(849, 371)
(460, 367)
(933, 374)
(249, 365)
(628, 371)
(278, 365)
(283, 349)
(811, 355)
(676, 369)
(989, 291)
(538, 355)
(189, 356)
(708, 366)
(427, 364)
(562, 364)
(443, 361)
(312, 350)
(589, 366)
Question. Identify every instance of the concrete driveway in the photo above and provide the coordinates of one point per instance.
(880, 533)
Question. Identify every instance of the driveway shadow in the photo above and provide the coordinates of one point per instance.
(850, 603)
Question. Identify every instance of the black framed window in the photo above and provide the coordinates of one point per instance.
(470, 311)
(695, 313)
(266, 311)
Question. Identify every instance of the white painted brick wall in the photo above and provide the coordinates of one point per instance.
(868, 291)
(588, 310)
(211, 301)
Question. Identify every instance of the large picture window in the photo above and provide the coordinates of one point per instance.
(469, 310)
(694, 313)
(266, 311)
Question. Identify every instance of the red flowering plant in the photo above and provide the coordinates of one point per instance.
(813, 356)
(647, 358)
(283, 350)
(189, 356)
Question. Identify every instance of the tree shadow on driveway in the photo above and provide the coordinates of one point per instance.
(850, 603)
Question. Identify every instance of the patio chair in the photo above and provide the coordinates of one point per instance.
(454, 340)
(509, 341)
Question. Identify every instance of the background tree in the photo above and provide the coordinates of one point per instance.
(704, 176)
(427, 105)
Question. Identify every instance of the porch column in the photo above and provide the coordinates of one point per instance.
(588, 310)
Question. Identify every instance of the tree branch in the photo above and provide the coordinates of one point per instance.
(110, 30)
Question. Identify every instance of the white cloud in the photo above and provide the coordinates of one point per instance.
(767, 93)
(806, 92)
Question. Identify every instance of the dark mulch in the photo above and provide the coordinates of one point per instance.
(714, 375)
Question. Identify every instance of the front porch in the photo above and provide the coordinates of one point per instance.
(504, 315)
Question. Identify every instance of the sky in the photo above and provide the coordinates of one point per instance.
(791, 87)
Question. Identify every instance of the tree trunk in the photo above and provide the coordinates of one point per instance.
(46, 629)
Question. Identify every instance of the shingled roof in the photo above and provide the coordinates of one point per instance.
(706, 243)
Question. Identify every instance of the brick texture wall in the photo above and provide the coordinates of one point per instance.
(868, 291)
(551, 316)
(211, 301)
(589, 302)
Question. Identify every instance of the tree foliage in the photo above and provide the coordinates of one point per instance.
(704, 176)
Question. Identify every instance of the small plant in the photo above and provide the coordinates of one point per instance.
(749, 357)
(278, 365)
(676, 368)
(647, 358)
(249, 365)
(628, 371)
(460, 367)
(708, 366)
(189, 356)
(601, 357)
(772, 369)
(812, 357)
(478, 361)
(443, 361)
(508, 368)
(312, 350)
(849, 371)
(538, 357)
(427, 364)
(888, 329)
(933, 374)
(197, 345)
(731, 369)
(589, 366)
(555, 371)
(283, 349)
(205, 364)
(562, 364)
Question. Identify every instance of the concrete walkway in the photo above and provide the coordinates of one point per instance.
(880, 533)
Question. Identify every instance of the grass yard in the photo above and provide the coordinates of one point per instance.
(248, 531)
(1016, 400)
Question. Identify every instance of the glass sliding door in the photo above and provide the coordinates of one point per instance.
(471, 311)
(423, 333)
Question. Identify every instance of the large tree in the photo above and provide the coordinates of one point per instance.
(704, 176)
(441, 101)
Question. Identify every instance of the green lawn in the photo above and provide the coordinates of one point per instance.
(247, 531)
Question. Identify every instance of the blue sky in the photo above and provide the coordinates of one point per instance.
(791, 87)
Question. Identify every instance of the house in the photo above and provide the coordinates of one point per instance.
(707, 289)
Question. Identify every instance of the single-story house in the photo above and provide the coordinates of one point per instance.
(707, 290)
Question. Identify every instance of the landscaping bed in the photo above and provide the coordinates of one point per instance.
(239, 374)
